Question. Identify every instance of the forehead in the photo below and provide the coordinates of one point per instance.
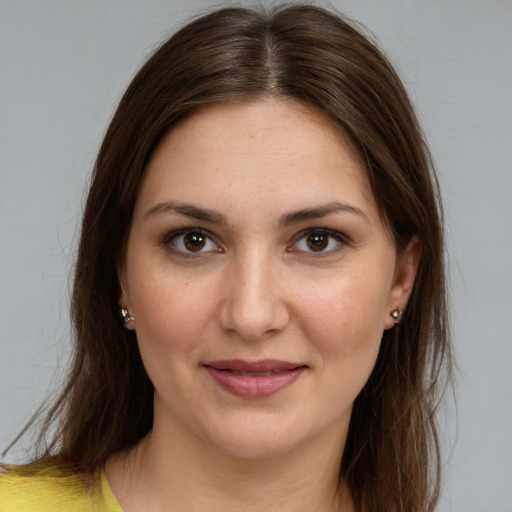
(267, 150)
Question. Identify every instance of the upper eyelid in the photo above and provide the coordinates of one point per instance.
(327, 231)
(168, 236)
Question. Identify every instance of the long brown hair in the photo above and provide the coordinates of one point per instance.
(391, 460)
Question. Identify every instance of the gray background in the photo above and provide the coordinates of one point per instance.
(64, 65)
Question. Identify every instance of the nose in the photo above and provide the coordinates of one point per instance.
(253, 305)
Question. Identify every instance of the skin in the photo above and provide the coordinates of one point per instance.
(255, 287)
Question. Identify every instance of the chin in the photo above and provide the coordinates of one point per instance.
(259, 438)
(256, 447)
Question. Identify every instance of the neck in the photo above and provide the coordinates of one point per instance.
(172, 473)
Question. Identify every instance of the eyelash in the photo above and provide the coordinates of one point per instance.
(341, 239)
(174, 235)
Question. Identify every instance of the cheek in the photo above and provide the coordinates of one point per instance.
(345, 326)
(171, 322)
(344, 318)
(171, 314)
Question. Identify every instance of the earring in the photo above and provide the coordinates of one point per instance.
(126, 317)
(397, 315)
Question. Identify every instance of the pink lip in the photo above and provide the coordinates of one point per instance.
(254, 386)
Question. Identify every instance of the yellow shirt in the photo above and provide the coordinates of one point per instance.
(19, 493)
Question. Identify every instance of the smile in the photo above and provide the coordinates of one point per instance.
(254, 380)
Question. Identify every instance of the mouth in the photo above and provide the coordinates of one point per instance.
(254, 380)
(253, 374)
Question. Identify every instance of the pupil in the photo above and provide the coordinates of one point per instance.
(317, 242)
(194, 241)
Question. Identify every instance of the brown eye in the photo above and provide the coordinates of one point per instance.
(317, 241)
(194, 242)
(320, 241)
(190, 241)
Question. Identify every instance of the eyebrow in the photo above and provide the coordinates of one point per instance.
(318, 212)
(188, 210)
(207, 215)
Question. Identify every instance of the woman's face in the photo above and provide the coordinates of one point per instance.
(261, 278)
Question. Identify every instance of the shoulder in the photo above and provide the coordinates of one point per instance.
(45, 492)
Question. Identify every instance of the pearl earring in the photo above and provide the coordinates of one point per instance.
(125, 315)
(397, 315)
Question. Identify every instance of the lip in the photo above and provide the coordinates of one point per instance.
(254, 380)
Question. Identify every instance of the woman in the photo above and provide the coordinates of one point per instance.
(259, 296)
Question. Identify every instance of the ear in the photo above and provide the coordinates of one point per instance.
(403, 280)
(124, 299)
